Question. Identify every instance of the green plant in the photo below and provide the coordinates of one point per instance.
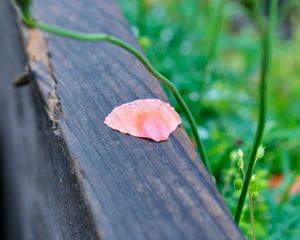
(239, 182)
(24, 7)
(266, 31)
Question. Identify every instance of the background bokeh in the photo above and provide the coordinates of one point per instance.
(219, 81)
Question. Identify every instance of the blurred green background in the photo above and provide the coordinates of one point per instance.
(219, 81)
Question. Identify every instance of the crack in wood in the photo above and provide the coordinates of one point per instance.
(42, 72)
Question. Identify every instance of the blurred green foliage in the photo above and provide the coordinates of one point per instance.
(221, 91)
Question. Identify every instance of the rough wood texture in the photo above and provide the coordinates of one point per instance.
(75, 178)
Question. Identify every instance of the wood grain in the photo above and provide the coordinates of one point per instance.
(88, 181)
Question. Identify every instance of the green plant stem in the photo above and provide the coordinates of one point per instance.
(228, 179)
(260, 125)
(273, 20)
(116, 41)
(266, 33)
(252, 217)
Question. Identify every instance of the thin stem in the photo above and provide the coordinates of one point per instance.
(260, 127)
(243, 172)
(116, 41)
(228, 179)
(265, 64)
(252, 220)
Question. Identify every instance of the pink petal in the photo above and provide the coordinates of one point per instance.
(146, 118)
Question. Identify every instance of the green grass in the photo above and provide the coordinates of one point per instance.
(176, 36)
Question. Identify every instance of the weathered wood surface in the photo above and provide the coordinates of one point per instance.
(72, 176)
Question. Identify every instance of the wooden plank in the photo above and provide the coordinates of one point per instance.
(43, 197)
(81, 180)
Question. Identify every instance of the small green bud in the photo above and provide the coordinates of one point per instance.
(260, 152)
(144, 41)
(254, 196)
(240, 153)
(233, 155)
(240, 163)
(238, 184)
(253, 179)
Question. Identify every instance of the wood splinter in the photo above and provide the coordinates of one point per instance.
(22, 79)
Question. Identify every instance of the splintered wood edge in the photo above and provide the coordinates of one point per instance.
(40, 68)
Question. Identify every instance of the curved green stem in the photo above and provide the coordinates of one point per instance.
(260, 126)
(266, 29)
(116, 41)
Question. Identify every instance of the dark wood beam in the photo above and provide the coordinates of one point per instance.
(69, 176)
